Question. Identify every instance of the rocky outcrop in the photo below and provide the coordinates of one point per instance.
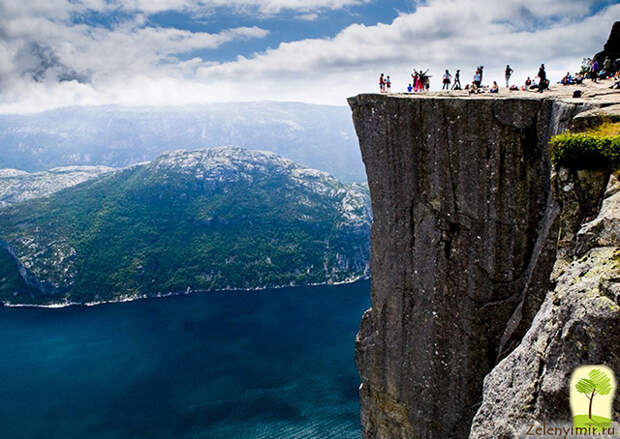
(464, 241)
(17, 186)
(611, 49)
(576, 325)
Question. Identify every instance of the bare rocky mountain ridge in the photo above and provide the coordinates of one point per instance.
(317, 136)
(17, 186)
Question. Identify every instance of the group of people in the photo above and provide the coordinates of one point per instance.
(532, 84)
(385, 84)
(595, 71)
(607, 69)
(447, 79)
(591, 69)
(569, 79)
(421, 81)
(541, 85)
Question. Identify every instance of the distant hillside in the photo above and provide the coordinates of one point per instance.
(221, 218)
(17, 186)
(316, 136)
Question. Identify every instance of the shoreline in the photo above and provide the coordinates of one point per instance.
(187, 292)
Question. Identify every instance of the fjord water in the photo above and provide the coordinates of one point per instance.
(242, 365)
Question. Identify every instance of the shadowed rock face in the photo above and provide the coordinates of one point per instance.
(612, 47)
(577, 324)
(463, 242)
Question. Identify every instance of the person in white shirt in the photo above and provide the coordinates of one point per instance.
(447, 79)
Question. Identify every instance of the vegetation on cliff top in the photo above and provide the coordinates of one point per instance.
(597, 148)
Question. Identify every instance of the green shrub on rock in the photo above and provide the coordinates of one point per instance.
(585, 151)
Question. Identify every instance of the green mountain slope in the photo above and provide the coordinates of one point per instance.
(223, 218)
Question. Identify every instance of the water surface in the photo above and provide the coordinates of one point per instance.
(269, 364)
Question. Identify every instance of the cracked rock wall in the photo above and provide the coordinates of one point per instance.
(463, 243)
(576, 325)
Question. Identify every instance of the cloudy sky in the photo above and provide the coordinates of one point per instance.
(56, 53)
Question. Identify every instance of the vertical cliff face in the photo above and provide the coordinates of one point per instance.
(463, 243)
(576, 325)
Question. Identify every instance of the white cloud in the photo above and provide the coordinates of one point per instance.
(44, 49)
(308, 17)
(248, 6)
(64, 8)
(443, 34)
(133, 64)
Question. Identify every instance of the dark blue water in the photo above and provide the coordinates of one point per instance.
(270, 364)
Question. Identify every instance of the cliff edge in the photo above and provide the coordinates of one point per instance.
(464, 242)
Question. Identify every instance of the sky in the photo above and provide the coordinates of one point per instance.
(58, 53)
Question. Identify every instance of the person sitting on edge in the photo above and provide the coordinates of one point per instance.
(474, 88)
(578, 78)
(409, 88)
(494, 88)
(528, 82)
(567, 80)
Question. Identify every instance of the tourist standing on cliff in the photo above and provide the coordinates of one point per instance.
(417, 80)
(447, 79)
(477, 78)
(594, 71)
(480, 69)
(508, 73)
(381, 84)
(424, 82)
(388, 84)
(542, 76)
(457, 80)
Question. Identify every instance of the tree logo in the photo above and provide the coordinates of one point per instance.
(592, 392)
